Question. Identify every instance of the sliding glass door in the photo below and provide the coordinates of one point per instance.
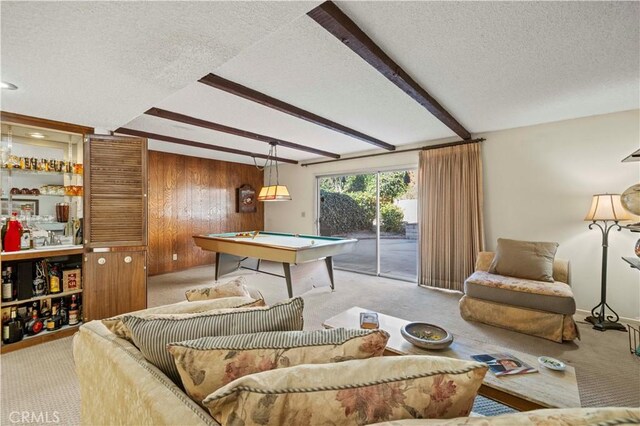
(398, 225)
(348, 210)
(379, 209)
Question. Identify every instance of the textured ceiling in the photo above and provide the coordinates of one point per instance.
(103, 63)
(498, 65)
(492, 65)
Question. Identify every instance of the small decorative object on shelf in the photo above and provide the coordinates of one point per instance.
(71, 279)
(12, 236)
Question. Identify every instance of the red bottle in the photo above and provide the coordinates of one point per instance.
(14, 232)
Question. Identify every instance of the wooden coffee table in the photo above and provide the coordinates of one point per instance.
(545, 389)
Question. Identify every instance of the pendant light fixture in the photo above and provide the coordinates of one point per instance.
(272, 192)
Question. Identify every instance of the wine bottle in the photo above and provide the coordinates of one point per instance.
(7, 285)
(64, 314)
(12, 329)
(74, 312)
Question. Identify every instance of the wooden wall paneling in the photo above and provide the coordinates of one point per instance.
(194, 196)
(155, 229)
(182, 241)
(170, 210)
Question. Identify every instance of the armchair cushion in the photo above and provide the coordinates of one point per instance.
(524, 259)
(351, 392)
(554, 297)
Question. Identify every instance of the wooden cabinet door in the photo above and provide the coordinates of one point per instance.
(115, 283)
(115, 179)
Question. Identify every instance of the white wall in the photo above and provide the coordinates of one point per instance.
(538, 184)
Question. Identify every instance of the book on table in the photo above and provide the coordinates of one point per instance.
(504, 364)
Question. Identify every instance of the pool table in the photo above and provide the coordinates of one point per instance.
(292, 250)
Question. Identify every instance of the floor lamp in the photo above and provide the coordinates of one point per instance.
(605, 208)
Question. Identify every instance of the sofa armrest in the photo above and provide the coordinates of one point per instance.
(561, 271)
(484, 260)
(118, 386)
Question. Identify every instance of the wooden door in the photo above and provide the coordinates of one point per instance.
(115, 177)
(115, 283)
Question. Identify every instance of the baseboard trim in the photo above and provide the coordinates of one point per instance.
(633, 321)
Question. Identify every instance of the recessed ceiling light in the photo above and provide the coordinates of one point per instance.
(8, 86)
(37, 135)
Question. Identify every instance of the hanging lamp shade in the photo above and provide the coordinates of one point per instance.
(607, 207)
(274, 193)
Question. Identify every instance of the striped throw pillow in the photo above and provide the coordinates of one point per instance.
(355, 392)
(152, 334)
(209, 363)
(116, 326)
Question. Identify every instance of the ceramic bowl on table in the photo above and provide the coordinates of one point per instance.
(426, 336)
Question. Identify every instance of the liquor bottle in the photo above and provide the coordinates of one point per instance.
(74, 312)
(34, 325)
(7, 285)
(25, 239)
(45, 310)
(64, 314)
(55, 279)
(55, 322)
(12, 329)
(39, 283)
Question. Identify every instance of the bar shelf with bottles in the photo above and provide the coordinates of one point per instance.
(41, 298)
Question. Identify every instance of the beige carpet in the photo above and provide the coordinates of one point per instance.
(608, 374)
(41, 381)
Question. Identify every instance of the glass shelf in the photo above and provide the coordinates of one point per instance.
(38, 172)
(42, 195)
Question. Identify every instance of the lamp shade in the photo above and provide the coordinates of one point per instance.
(274, 193)
(607, 207)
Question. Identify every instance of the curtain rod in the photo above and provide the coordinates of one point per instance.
(422, 148)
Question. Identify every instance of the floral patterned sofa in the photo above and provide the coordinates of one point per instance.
(118, 386)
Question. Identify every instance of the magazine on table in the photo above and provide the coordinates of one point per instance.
(504, 364)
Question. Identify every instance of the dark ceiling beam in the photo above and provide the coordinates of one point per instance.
(181, 118)
(187, 142)
(255, 96)
(332, 19)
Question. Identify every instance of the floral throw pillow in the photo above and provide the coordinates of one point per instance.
(351, 393)
(235, 287)
(209, 363)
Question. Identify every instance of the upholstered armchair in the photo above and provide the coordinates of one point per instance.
(538, 308)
